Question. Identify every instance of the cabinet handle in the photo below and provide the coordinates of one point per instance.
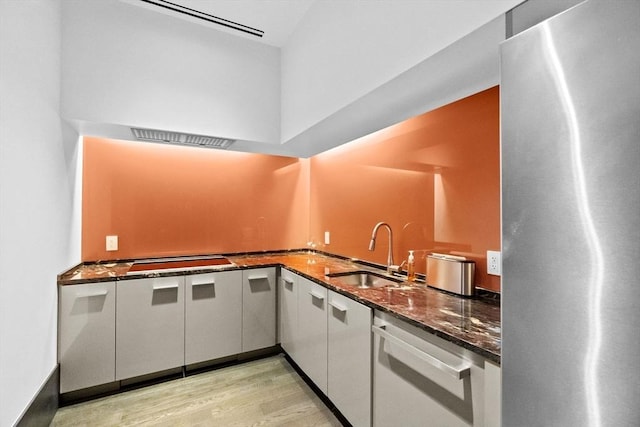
(458, 372)
(203, 284)
(316, 295)
(258, 278)
(93, 294)
(338, 306)
(163, 287)
(287, 281)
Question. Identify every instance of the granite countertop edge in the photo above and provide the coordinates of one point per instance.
(117, 270)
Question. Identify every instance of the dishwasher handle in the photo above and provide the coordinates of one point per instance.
(458, 372)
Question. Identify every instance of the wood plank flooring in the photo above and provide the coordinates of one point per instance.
(265, 392)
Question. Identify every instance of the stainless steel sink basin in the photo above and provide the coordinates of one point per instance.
(364, 279)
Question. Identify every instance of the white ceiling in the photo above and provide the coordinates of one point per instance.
(277, 18)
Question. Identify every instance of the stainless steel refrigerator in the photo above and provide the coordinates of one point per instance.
(570, 118)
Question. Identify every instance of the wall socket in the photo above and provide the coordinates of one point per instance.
(327, 238)
(494, 263)
(112, 243)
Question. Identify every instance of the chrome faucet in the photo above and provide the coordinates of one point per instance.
(372, 243)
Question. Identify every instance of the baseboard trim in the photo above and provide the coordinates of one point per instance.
(44, 404)
(325, 399)
(102, 390)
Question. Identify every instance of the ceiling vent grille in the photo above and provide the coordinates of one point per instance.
(176, 138)
(175, 7)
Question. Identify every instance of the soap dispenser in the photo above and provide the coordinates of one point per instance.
(411, 267)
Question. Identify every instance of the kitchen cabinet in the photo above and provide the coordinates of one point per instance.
(87, 335)
(420, 379)
(258, 308)
(312, 331)
(213, 316)
(149, 325)
(492, 394)
(328, 335)
(288, 312)
(349, 358)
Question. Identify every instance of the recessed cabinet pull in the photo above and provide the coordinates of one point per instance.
(162, 287)
(458, 372)
(316, 295)
(93, 294)
(258, 278)
(287, 281)
(338, 306)
(204, 284)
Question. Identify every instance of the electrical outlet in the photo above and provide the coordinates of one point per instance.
(494, 263)
(112, 243)
(327, 238)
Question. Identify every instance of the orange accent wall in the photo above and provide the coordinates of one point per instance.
(434, 178)
(165, 200)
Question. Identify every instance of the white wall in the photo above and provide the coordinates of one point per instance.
(37, 176)
(463, 68)
(130, 66)
(127, 65)
(343, 50)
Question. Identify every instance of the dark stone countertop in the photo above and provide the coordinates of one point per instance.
(469, 322)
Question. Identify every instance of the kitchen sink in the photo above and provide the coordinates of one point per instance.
(364, 279)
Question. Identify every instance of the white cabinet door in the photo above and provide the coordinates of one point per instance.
(87, 335)
(492, 395)
(312, 331)
(213, 316)
(349, 358)
(149, 325)
(258, 308)
(288, 309)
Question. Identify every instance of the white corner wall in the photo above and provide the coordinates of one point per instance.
(37, 177)
(344, 50)
(126, 65)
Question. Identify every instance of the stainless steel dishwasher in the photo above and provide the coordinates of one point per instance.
(422, 380)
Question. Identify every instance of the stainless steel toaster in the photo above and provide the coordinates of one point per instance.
(451, 273)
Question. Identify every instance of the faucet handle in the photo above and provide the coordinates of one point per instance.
(396, 268)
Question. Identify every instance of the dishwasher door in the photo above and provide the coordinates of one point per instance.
(422, 380)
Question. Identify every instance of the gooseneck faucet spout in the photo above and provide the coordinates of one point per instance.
(372, 243)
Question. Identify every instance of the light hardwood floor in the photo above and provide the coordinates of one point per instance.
(265, 392)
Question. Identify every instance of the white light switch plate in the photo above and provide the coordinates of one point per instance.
(112, 243)
(494, 263)
(327, 238)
